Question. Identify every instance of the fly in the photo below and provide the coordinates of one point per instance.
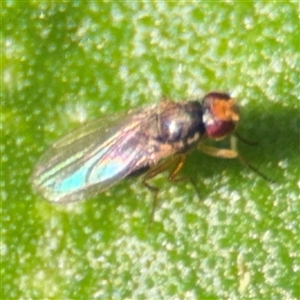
(96, 156)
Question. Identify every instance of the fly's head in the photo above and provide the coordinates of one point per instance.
(220, 115)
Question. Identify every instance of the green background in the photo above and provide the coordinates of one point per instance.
(66, 63)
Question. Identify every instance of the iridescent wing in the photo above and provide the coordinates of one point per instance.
(94, 157)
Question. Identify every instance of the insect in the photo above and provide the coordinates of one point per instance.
(96, 156)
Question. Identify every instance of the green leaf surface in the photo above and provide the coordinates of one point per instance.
(64, 63)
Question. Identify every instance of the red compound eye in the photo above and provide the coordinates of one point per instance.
(220, 115)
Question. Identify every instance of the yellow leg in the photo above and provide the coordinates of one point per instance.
(178, 162)
(230, 153)
(216, 152)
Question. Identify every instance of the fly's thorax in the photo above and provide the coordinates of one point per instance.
(180, 124)
(220, 115)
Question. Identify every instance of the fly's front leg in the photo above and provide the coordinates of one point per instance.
(230, 153)
(216, 152)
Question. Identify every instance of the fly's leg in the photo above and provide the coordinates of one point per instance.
(244, 140)
(216, 152)
(230, 153)
(173, 176)
(177, 162)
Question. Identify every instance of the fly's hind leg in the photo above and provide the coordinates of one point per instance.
(177, 162)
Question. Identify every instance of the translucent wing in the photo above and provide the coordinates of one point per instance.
(94, 157)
